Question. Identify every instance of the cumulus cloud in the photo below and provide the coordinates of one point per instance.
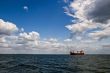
(93, 18)
(26, 42)
(30, 36)
(81, 27)
(51, 43)
(98, 35)
(7, 28)
(20, 41)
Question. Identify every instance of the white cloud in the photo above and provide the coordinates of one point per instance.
(20, 41)
(2, 40)
(25, 40)
(26, 8)
(81, 27)
(30, 36)
(67, 40)
(100, 34)
(7, 28)
(91, 23)
(90, 17)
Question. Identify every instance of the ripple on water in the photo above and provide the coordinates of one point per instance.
(54, 64)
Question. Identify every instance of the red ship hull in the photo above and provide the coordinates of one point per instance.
(76, 53)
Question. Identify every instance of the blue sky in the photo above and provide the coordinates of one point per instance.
(44, 16)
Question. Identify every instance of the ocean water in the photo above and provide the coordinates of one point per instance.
(26, 63)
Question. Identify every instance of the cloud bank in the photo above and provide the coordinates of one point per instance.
(91, 22)
(16, 40)
(30, 42)
(92, 18)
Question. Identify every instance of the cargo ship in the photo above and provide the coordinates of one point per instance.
(78, 53)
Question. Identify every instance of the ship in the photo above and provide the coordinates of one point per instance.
(78, 53)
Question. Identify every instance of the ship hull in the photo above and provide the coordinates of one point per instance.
(76, 53)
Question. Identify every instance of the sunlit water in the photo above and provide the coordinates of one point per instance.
(54, 64)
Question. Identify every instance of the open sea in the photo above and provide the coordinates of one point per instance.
(29, 63)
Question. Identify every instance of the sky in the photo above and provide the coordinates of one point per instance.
(54, 26)
(37, 15)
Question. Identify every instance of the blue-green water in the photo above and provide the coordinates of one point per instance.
(54, 64)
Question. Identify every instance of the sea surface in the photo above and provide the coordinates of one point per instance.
(28, 63)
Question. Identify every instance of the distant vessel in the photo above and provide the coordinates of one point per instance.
(78, 53)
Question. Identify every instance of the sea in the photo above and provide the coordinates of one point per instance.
(50, 63)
